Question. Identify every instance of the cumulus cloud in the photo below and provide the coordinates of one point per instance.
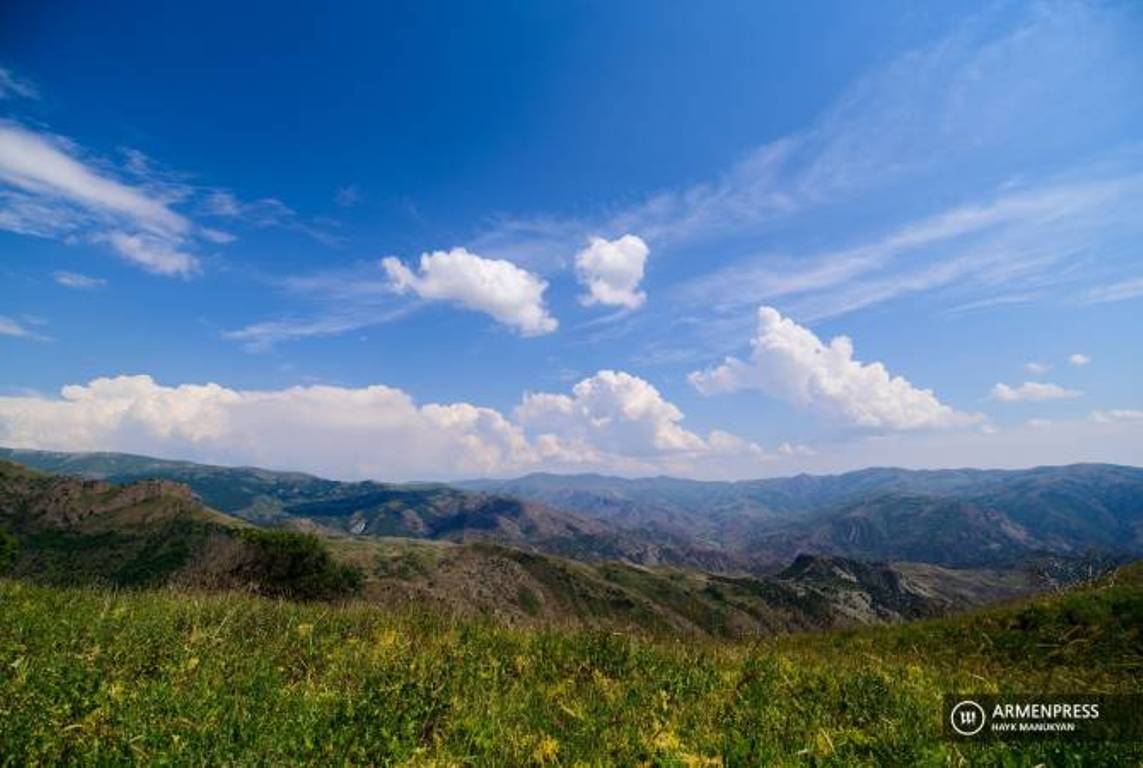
(1079, 359)
(791, 363)
(513, 296)
(612, 422)
(1037, 369)
(77, 281)
(48, 190)
(611, 271)
(1031, 391)
(610, 411)
(374, 431)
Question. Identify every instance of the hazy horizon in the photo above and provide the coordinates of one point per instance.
(461, 481)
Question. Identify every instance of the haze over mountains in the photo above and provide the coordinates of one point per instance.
(955, 518)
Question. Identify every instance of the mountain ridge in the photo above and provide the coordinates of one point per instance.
(956, 517)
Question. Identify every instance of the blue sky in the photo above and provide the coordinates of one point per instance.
(433, 240)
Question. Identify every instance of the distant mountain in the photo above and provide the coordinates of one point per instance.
(951, 517)
(956, 518)
(412, 510)
(73, 531)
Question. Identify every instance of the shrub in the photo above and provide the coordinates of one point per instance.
(296, 566)
(8, 548)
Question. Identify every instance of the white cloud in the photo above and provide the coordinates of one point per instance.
(611, 411)
(1037, 369)
(1032, 391)
(261, 336)
(217, 235)
(10, 327)
(796, 449)
(78, 281)
(42, 165)
(372, 431)
(611, 271)
(21, 328)
(610, 422)
(154, 254)
(47, 190)
(1021, 237)
(1078, 359)
(496, 287)
(791, 363)
(1117, 414)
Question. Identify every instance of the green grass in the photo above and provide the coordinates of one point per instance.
(97, 677)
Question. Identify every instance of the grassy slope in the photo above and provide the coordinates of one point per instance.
(90, 676)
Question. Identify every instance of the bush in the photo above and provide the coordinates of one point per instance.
(8, 548)
(296, 566)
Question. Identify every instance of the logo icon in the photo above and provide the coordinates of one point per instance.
(967, 718)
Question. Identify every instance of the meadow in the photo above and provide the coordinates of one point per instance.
(161, 677)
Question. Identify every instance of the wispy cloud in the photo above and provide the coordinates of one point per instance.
(20, 330)
(15, 87)
(334, 302)
(78, 281)
(1117, 291)
(50, 190)
(262, 336)
(1018, 238)
(1032, 391)
(932, 110)
(264, 213)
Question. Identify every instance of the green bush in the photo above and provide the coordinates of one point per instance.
(8, 549)
(296, 566)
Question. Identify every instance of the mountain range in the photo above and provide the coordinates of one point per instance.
(68, 530)
(952, 518)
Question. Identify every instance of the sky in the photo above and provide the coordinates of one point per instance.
(446, 240)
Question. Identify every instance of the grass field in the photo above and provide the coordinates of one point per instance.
(158, 677)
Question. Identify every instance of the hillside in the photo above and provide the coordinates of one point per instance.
(68, 530)
(519, 588)
(415, 510)
(955, 518)
(88, 676)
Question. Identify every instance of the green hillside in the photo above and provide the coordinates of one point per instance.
(64, 530)
(67, 531)
(89, 676)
